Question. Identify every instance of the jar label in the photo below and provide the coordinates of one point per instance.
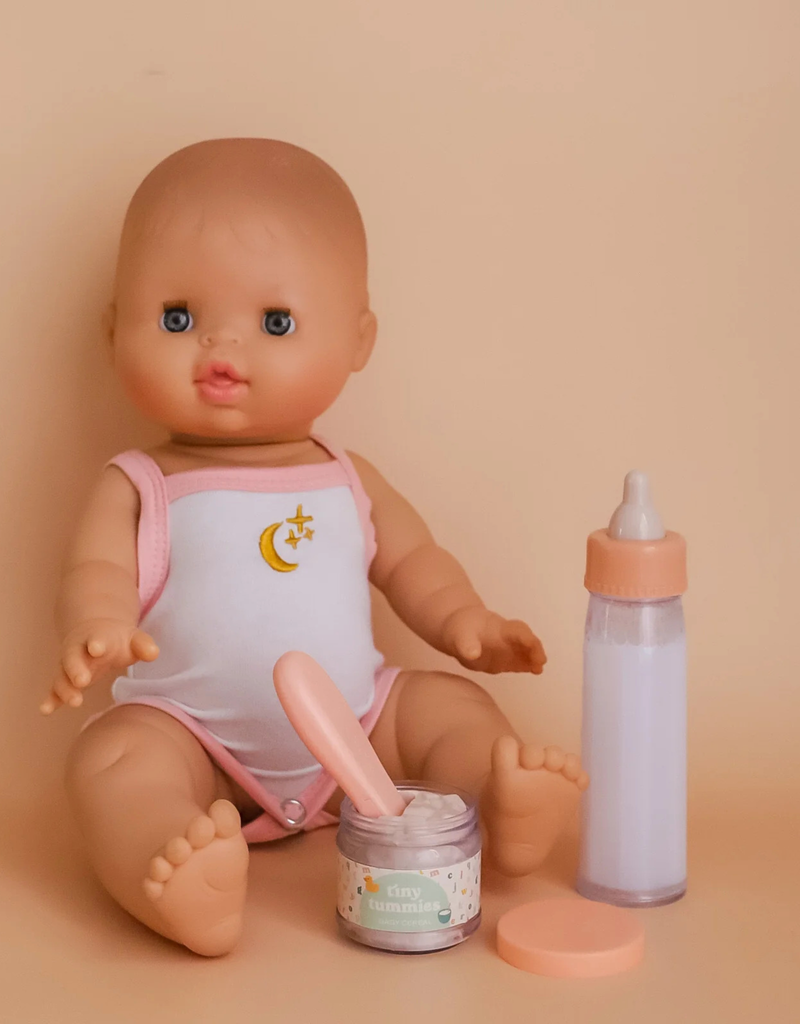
(389, 900)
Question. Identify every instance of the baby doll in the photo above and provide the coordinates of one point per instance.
(240, 310)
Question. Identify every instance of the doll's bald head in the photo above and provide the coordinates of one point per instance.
(259, 186)
(218, 237)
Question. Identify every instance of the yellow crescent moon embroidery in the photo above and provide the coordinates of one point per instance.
(267, 547)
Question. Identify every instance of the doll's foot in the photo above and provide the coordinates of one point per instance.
(526, 802)
(198, 882)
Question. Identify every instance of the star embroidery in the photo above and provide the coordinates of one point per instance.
(300, 520)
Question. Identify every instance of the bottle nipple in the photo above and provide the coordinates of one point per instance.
(636, 518)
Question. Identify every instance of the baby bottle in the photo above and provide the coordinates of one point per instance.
(633, 836)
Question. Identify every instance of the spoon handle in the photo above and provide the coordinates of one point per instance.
(326, 724)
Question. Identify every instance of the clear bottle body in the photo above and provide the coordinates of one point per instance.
(633, 836)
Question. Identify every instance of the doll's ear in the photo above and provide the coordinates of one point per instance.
(367, 333)
(108, 322)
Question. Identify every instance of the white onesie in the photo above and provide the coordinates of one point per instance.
(236, 567)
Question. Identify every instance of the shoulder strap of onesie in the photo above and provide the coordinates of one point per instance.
(152, 544)
(362, 500)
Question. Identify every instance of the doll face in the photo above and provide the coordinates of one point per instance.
(237, 322)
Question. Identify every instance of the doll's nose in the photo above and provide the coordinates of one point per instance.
(222, 336)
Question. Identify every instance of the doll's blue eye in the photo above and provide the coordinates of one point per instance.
(176, 319)
(278, 321)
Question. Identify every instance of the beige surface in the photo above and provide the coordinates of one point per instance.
(726, 953)
(584, 233)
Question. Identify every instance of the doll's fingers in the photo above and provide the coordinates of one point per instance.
(538, 656)
(51, 703)
(508, 657)
(75, 668)
(517, 632)
(504, 658)
(68, 693)
(497, 662)
(522, 636)
(467, 645)
(143, 646)
(97, 647)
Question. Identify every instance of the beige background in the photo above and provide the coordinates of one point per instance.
(584, 223)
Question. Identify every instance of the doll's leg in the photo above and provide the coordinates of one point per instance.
(443, 728)
(164, 846)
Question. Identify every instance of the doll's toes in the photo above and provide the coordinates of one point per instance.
(160, 870)
(531, 757)
(178, 851)
(505, 755)
(152, 889)
(554, 759)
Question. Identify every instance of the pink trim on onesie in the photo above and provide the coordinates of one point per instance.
(271, 824)
(362, 499)
(156, 492)
(251, 478)
(153, 538)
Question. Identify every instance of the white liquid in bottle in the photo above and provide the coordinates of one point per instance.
(633, 838)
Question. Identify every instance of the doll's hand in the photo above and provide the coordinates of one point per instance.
(486, 642)
(90, 650)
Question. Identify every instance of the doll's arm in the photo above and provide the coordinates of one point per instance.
(97, 610)
(431, 592)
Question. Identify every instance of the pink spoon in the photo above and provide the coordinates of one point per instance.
(326, 724)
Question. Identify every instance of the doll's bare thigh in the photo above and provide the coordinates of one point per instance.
(423, 707)
(149, 742)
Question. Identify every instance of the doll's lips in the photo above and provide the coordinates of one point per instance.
(220, 383)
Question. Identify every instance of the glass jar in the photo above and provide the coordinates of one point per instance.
(409, 887)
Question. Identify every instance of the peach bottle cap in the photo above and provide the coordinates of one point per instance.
(635, 557)
(570, 938)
